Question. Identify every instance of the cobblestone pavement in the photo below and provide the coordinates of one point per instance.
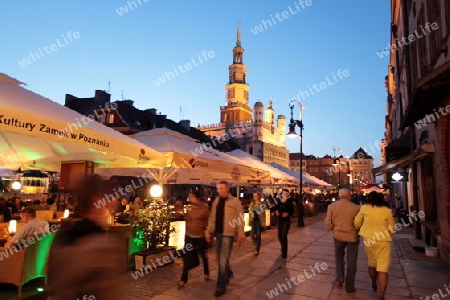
(167, 277)
(404, 249)
(412, 274)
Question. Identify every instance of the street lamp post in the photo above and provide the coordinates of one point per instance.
(292, 133)
(337, 163)
(349, 174)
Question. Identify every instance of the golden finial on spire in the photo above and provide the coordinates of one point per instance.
(238, 41)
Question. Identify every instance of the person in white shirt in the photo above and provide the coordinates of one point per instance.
(33, 226)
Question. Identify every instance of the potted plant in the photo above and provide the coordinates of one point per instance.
(150, 231)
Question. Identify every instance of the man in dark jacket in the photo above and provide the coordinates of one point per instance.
(284, 210)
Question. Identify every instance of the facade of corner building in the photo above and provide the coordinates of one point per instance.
(255, 129)
(355, 171)
(416, 141)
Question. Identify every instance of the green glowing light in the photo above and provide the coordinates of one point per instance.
(39, 289)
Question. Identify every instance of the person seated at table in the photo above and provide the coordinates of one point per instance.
(4, 210)
(123, 204)
(50, 205)
(31, 227)
(16, 205)
(137, 204)
(179, 205)
(115, 207)
(37, 205)
(44, 197)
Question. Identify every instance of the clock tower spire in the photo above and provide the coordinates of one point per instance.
(237, 109)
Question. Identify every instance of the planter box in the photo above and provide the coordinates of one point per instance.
(431, 251)
(154, 260)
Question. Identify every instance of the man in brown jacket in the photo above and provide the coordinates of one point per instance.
(226, 220)
(339, 220)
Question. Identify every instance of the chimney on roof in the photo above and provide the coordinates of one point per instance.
(101, 98)
(151, 111)
(129, 102)
(69, 99)
(186, 124)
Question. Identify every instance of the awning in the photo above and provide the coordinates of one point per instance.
(190, 162)
(37, 133)
(277, 177)
(406, 160)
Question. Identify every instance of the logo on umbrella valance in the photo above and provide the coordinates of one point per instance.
(143, 157)
(197, 163)
(236, 174)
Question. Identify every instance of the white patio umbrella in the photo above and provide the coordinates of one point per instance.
(306, 177)
(5, 173)
(36, 132)
(277, 177)
(191, 161)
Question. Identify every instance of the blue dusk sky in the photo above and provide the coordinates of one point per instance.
(322, 53)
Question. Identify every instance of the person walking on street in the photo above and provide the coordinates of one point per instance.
(256, 215)
(284, 210)
(196, 222)
(376, 224)
(225, 222)
(339, 219)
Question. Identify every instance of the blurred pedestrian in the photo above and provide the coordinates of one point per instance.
(376, 225)
(340, 217)
(196, 222)
(225, 222)
(256, 214)
(84, 260)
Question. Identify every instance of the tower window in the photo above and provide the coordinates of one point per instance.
(110, 118)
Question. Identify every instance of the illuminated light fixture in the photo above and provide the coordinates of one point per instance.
(66, 213)
(16, 185)
(292, 133)
(156, 191)
(12, 227)
(397, 176)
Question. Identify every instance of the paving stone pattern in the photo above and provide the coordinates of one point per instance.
(412, 275)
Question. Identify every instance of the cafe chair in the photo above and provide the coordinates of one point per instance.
(46, 215)
(24, 265)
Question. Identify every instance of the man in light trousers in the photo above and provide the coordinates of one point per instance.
(340, 217)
